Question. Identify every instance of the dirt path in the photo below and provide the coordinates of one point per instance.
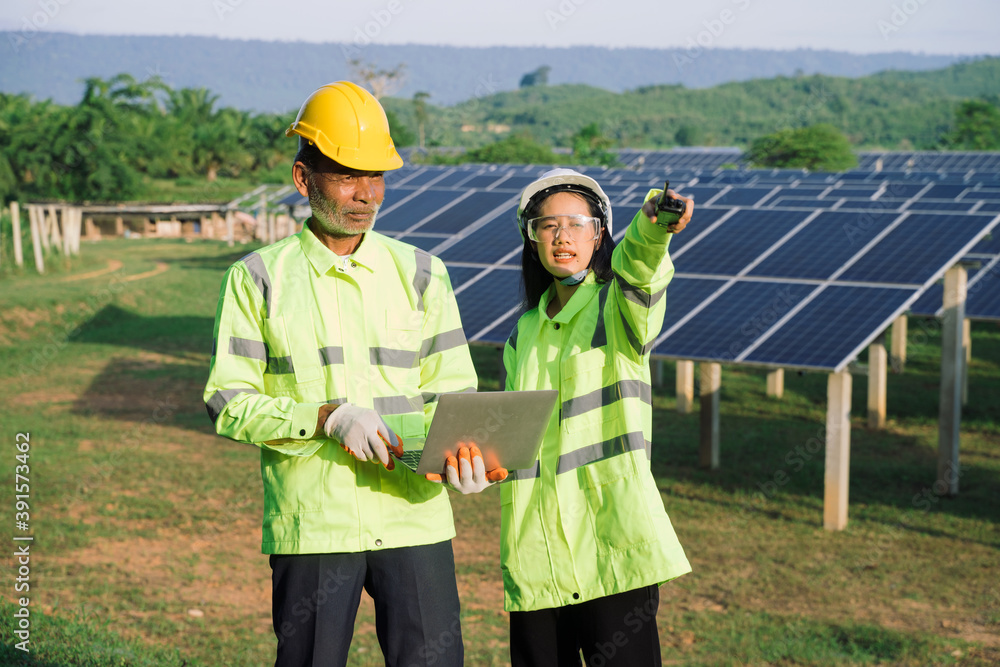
(113, 265)
(160, 268)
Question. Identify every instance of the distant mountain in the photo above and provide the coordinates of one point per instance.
(904, 110)
(275, 76)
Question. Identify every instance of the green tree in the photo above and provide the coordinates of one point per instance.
(400, 133)
(215, 139)
(93, 145)
(689, 135)
(515, 149)
(540, 77)
(590, 146)
(818, 147)
(977, 127)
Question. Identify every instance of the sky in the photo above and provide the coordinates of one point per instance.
(953, 27)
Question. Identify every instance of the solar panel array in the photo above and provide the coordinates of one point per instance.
(778, 267)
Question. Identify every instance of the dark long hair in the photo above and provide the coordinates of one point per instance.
(535, 279)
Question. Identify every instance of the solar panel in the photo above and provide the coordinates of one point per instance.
(423, 241)
(487, 245)
(686, 294)
(418, 207)
(806, 280)
(483, 302)
(736, 242)
(515, 182)
(989, 195)
(746, 196)
(425, 176)
(984, 295)
(944, 191)
(723, 328)
(989, 244)
(854, 192)
(918, 248)
(947, 206)
(981, 294)
(829, 328)
(484, 180)
(841, 235)
(460, 275)
(455, 178)
(466, 211)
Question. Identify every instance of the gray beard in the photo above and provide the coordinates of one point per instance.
(331, 219)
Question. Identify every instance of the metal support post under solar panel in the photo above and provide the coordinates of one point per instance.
(952, 362)
(838, 450)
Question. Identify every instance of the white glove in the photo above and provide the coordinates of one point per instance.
(467, 473)
(362, 432)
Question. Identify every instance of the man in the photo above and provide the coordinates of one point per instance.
(331, 346)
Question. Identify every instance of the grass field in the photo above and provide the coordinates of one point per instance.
(147, 525)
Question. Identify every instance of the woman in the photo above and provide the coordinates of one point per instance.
(585, 539)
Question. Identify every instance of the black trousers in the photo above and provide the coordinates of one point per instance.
(613, 631)
(315, 598)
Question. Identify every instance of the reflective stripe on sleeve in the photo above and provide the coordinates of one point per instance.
(331, 355)
(605, 396)
(255, 265)
(244, 347)
(220, 399)
(636, 295)
(602, 450)
(385, 356)
(397, 405)
(446, 340)
(525, 473)
(279, 366)
(633, 340)
(422, 277)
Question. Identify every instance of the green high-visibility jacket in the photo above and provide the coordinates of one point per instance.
(298, 326)
(587, 520)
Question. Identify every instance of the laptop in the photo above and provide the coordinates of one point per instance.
(507, 426)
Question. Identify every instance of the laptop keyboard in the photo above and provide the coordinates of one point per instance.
(411, 458)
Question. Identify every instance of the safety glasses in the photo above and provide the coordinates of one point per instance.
(548, 229)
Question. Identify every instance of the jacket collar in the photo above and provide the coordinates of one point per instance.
(587, 290)
(323, 259)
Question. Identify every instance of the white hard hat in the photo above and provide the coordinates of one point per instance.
(563, 180)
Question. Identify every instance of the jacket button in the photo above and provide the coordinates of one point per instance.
(302, 431)
(557, 326)
(354, 265)
(378, 543)
(576, 596)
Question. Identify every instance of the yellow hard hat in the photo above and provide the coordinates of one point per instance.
(349, 126)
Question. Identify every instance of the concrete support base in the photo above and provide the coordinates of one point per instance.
(685, 387)
(877, 371)
(776, 383)
(952, 362)
(711, 387)
(838, 451)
